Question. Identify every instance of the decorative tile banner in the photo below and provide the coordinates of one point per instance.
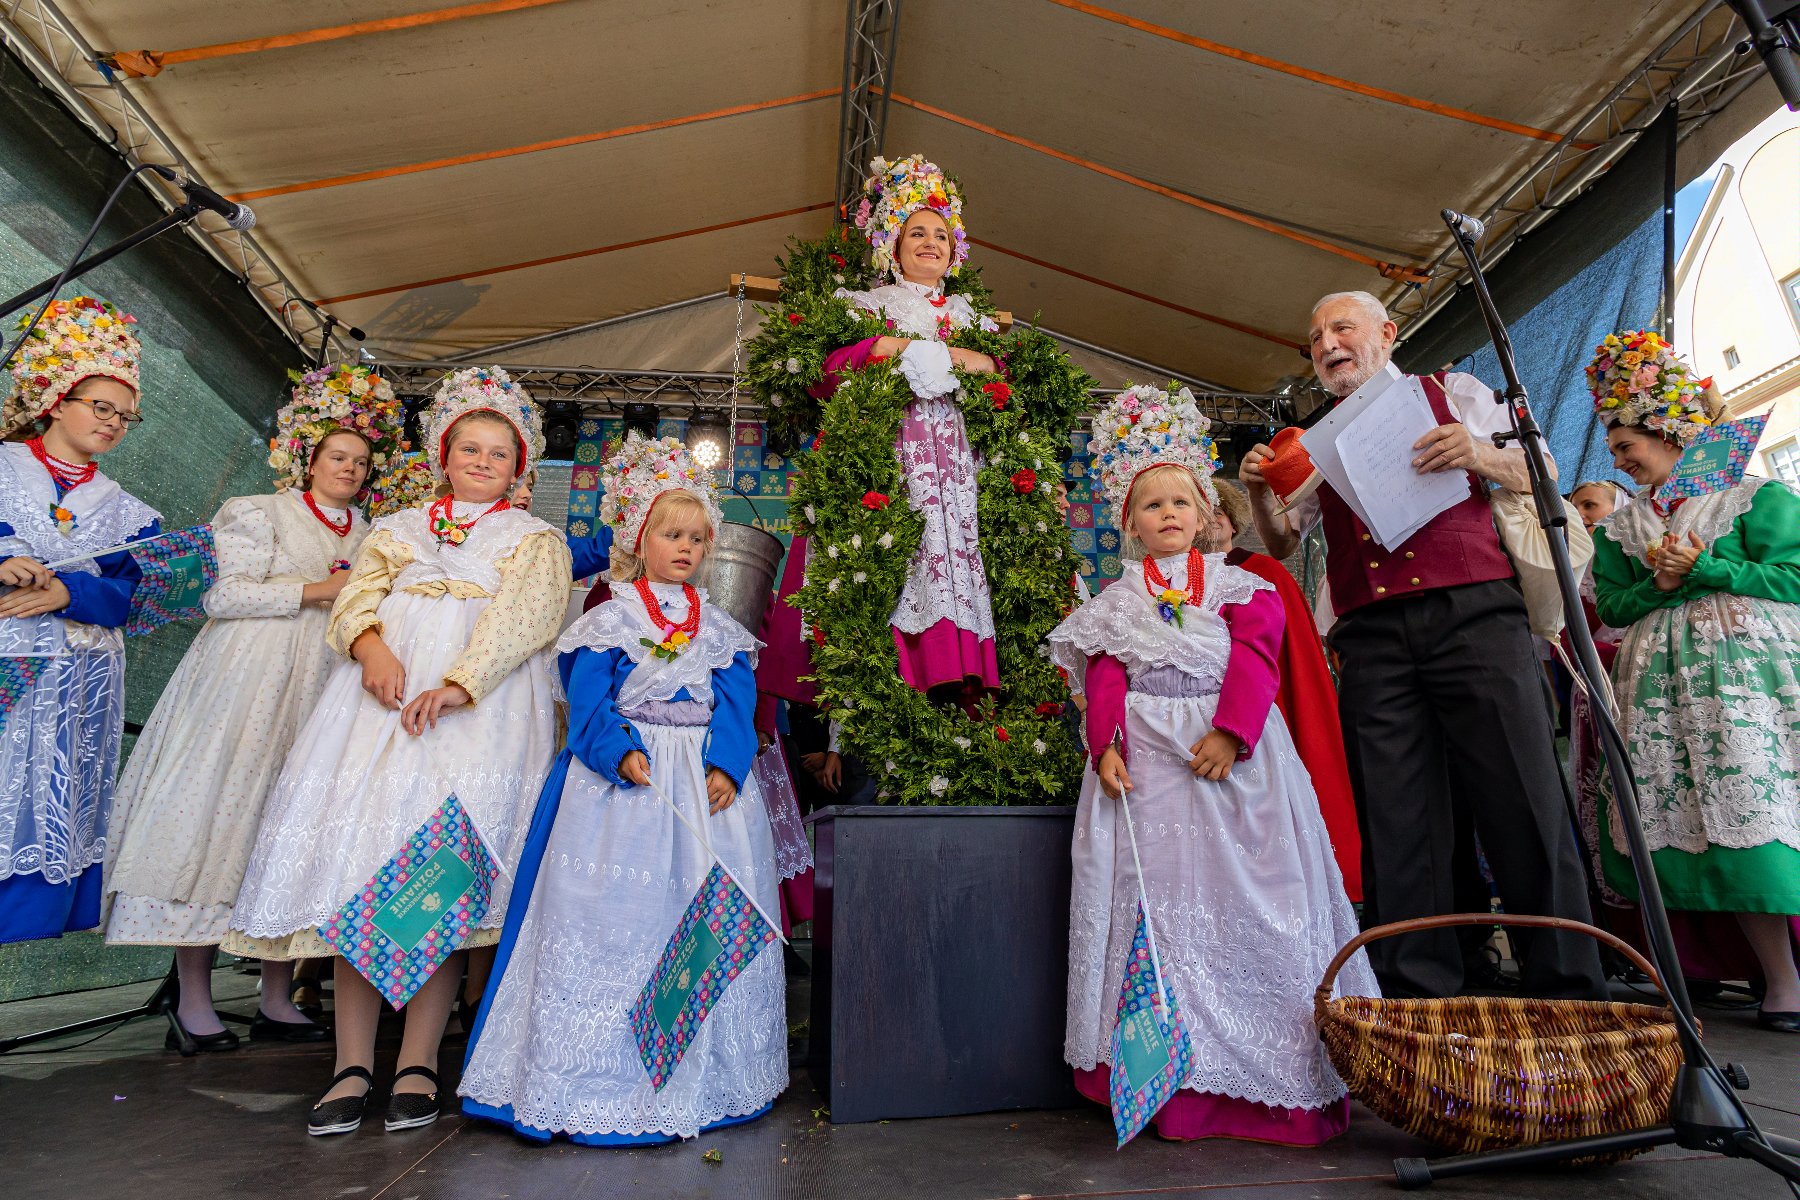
(761, 480)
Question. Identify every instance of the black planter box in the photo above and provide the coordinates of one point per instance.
(940, 960)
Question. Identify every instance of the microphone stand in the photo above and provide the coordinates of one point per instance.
(1704, 1110)
(177, 216)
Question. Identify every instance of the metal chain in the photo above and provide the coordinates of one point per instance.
(737, 355)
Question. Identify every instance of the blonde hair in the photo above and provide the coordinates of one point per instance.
(627, 566)
(1134, 548)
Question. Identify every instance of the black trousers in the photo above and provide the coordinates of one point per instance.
(1445, 722)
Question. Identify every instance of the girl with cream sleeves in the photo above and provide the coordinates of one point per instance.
(191, 797)
(448, 618)
(1245, 902)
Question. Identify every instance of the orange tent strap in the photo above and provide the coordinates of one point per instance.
(1137, 295)
(554, 144)
(1286, 68)
(151, 62)
(556, 258)
(1390, 270)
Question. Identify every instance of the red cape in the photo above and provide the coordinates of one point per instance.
(1308, 702)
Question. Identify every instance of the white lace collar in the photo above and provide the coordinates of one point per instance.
(915, 310)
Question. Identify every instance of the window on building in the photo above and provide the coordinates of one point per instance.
(1791, 285)
(1732, 358)
(1784, 461)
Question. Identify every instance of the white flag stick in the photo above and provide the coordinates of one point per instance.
(69, 562)
(1144, 899)
(713, 854)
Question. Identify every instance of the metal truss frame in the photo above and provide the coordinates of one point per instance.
(1701, 67)
(55, 51)
(600, 391)
(871, 28)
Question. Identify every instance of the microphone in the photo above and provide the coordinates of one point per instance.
(238, 216)
(1464, 225)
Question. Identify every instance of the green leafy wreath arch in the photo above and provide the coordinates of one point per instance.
(851, 502)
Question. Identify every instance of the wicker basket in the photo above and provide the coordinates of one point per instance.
(1481, 1073)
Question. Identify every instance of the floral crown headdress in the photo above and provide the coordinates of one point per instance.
(643, 470)
(77, 339)
(1637, 378)
(1144, 427)
(330, 399)
(483, 389)
(893, 192)
(408, 482)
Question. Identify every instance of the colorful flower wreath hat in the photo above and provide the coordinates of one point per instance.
(77, 339)
(325, 401)
(1637, 378)
(893, 192)
(1144, 427)
(408, 482)
(483, 389)
(643, 470)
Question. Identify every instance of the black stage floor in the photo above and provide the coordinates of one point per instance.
(122, 1117)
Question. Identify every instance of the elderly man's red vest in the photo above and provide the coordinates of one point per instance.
(1458, 546)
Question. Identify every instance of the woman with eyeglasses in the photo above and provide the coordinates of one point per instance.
(62, 655)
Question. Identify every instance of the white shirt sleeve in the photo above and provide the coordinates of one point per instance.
(1474, 405)
(1306, 515)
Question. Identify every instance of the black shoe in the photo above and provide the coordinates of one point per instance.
(1780, 1022)
(344, 1114)
(467, 1011)
(203, 1043)
(313, 1008)
(412, 1110)
(268, 1029)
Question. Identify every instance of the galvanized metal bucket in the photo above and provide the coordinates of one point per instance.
(739, 572)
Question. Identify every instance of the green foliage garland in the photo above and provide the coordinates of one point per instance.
(851, 501)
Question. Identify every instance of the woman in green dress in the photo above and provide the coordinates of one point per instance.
(1708, 672)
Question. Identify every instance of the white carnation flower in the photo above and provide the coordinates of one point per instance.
(856, 541)
(832, 586)
(812, 518)
(891, 768)
(1024, 438)
(1039, 745)
(962, 743)
(860, 577)
(793, 368)
(775, 399)
(1042, 528)
(886, 542)
(938, 785)
(832, 551)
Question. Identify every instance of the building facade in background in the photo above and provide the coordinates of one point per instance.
(1737, 288)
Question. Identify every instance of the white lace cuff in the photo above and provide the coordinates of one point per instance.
(926, 366)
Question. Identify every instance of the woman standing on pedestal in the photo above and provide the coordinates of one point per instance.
(192, 796)
(62, 657)
(1708, 672)
(912, 215)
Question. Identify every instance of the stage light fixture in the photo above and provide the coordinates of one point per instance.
(707, 436)
(642, 418)
(562, 429)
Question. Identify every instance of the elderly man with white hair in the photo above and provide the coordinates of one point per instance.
(1441, 695)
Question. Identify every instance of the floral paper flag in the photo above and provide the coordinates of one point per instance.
(1151, 1057)
(419, 908)
(178, 568)
(718, 936)
(1715, 460)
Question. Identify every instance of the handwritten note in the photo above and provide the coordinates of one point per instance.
(1376, 449)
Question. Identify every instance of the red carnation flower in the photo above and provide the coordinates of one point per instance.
(997, 391)
(874, 500)
(818, 636)
(1000, 732)
(837, 260)
(1024, 480)
(817, 438)
(794, 318)
(1049, 708)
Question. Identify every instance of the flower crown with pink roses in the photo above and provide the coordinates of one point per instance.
(1637, 378)
(1144, 427)
(893, 192)
(76, 340)
(328, 400)
(644, 470)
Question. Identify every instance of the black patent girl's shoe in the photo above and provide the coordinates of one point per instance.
(188, 1044)
(412, 1110)
(345, 1114)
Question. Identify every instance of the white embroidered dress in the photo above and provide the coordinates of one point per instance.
(356, 785)
(60, 735)
(946, 580)
(1246, 902)
(555, 1051)
(191, 796)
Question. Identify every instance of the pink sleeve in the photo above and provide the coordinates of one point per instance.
(848, 358)
(1253, 674)
(1105, 704)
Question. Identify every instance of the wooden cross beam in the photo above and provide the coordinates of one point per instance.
(768, 287)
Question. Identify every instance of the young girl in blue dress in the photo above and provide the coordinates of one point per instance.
(662, 690)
